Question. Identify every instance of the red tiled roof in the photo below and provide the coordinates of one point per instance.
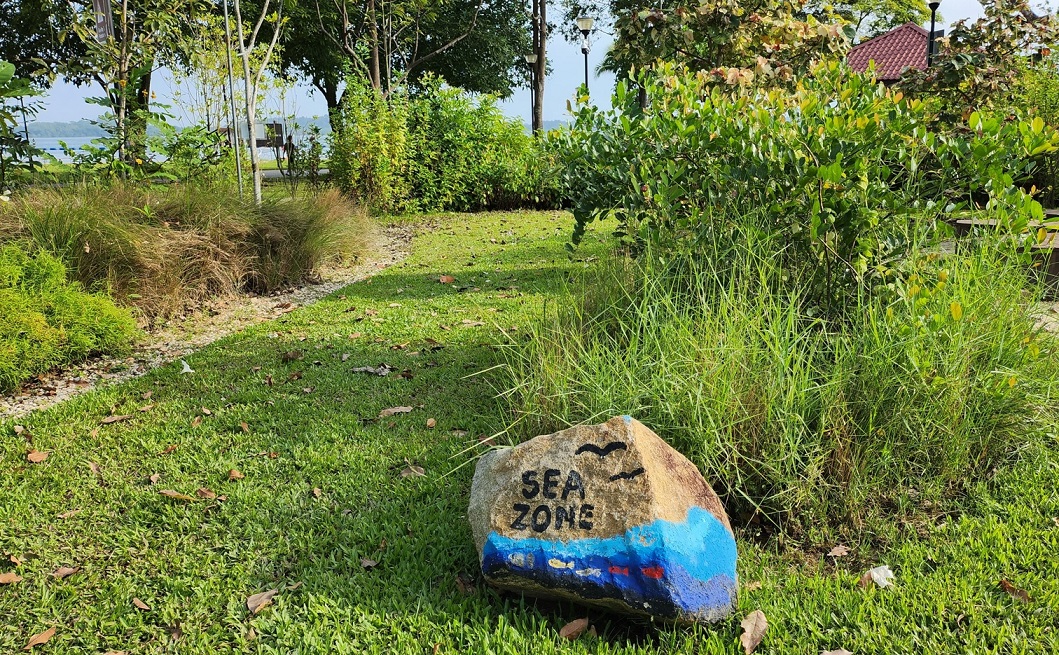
(900, 48)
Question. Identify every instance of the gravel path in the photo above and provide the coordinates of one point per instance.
(184, 335)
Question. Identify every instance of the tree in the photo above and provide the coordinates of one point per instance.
(873, 17)
(247, 43)
(768, 37)
(147, 35)
(473, 44)
(30, 39)
(979, 65)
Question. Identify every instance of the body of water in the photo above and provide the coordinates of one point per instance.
(53, 148)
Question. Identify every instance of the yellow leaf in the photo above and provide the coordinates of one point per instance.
(957, 311)
(1011, 381)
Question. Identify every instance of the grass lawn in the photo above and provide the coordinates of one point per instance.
(323, 497)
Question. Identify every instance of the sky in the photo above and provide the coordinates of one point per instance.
(66, 102)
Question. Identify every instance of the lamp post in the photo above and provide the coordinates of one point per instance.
(933, 4)
(584, 23)
(531, 60)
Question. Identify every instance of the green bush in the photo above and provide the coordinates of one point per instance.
(437, 149)
(839, 166)
(163, 250)
(820, 428)
(49, 322)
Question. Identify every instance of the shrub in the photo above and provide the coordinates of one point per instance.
(437, 149)
(161, 250)
(839, 166)
(49, 322)
(808, 424)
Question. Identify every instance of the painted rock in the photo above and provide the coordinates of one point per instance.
(608, 515)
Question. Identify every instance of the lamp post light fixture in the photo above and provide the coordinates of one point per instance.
(933, 4)
(531, 60)
(584, 24)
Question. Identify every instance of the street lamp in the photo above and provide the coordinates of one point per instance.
(584, 23)
(531, 60)
(934, 4)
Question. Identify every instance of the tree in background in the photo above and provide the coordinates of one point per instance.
(30, 39)
(770, 38)
(248, 43)
(473, 44)
(871, 18)
(148, 34)
(980, 64)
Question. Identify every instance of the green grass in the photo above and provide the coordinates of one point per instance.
(195, 563)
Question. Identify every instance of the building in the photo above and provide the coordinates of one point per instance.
(900, 48)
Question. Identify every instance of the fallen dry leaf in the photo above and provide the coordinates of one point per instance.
(140, 604)
(38, 639)
(36, 457)
(244, 427)
(1014, 591)
(394, 410)
(66, 515)
(92, 466)
(19, 429)
(382, 370)
(368, 564)
(176, 495)
(838, 551)
(14, 560)
(146, 408)
(116, 652)
(203, 492)
(146, 395)
(269, 381)
(754, 627)
(465, 584)
(294, 586)
(296, 375)
(317, 492)
(168, 449)
(115, 418)
(196, 422)
(9, 577)
(292, 356)
(446, 279)
(752, 586)
(308, 390)
(837, 651)
(207, 412)
(574, 629)
(155, 477)
(469, 323)
(431, 423)
(233, 475)
(880, 575)
(345, 357)
(257, 602)
(413, 471)
(65, 572)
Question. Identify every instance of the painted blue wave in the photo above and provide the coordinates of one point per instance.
(683, 570)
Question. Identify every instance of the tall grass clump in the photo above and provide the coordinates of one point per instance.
(164, 250)
(805, 422)
(46, 321)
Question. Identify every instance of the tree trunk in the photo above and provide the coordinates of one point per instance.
(251, 121)
(373, 35)
(540, 40)
(136, 112)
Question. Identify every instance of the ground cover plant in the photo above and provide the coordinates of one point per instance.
(49, 321)
(323, 502)
(162, 250)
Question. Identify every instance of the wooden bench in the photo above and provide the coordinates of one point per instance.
(965, 226)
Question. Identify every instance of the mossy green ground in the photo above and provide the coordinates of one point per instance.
(194, 563)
